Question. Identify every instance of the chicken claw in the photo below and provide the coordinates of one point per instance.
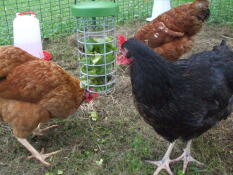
(41, 156)
(186, 157)
(35, 154)
(164, 163)
(39, 132)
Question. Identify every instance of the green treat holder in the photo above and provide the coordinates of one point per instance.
(96, 44)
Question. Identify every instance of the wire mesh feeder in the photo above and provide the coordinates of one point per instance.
(96, 45)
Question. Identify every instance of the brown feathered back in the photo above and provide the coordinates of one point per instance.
(10, 57)
(171, 33)
(44, 83)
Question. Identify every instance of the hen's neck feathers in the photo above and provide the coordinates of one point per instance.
(147, 62)
(152, 76)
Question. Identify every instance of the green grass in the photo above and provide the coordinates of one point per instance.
(56, 19)
(104, 147)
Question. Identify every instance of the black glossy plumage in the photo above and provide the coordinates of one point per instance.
(181, 99)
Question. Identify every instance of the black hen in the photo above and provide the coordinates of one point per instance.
(181, 99)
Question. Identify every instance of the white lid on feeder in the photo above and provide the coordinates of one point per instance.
(159, 7)
(26, 31)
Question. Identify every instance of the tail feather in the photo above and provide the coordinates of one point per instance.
(203, 7)
(222, 46)
(223, 43)
(202, 3)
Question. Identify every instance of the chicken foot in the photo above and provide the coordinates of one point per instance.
(35, 154)
(186, 157)
(164, 163)
(39, 132)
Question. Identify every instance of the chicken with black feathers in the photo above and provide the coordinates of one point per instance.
(181, 99)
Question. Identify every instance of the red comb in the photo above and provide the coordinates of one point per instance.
(120, 40)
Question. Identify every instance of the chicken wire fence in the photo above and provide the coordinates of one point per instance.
(56, 19)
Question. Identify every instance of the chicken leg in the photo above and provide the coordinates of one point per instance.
(186, 157)
(164, 163)
(39, 132)
(39, 156)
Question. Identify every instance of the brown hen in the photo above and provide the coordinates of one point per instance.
(32, 91)
(171, 33)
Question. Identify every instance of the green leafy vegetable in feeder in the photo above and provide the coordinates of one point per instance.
(98, 62)
(96, 45)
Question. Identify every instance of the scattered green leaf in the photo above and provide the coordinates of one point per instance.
(59, 172)
(100, 162)
(48, 173)
(94, 116)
